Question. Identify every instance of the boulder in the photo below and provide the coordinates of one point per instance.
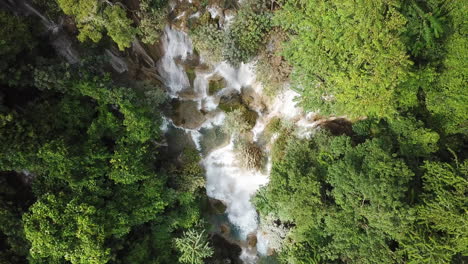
(252, 99)
(217, 205)
(186, 114)
(252, 240)
(215, 84)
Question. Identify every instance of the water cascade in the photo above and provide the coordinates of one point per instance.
(226, 179)
(176, 46)
(58, 37)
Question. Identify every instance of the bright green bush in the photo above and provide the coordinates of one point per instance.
(93, 18)
(153, 16)
(193, 246)
(208, 40)
(246, 35)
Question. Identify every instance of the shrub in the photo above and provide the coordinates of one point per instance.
(152, 20)
(272, 70)
(247, 115)
(194, 247)
(249, 155)
(246, 35)
(235, 123)
(208, 40)
(274, 126)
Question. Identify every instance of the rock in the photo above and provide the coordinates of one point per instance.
(225, 252)
(252, 99)
(186, 114)
(252, 240)
(215, 84)
(225, 229)
(229, 103)
(203, 68)
(188, 94)
(190, 71)
(229, 13)
(177, 141)
(230, 99)
(338, 126)
(218, 206)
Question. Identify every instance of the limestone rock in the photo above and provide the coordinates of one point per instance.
(252, 99)
(187, 115)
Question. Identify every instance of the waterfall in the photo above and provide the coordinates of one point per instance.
(49, 24)
(63, 46)
(226, 179)
(58, 38)
(117, 63)
(176, 46)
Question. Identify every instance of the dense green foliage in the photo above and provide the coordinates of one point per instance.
(357, 201)
(393, 190)
(152, 16)
(375, 58)
(208, 39)
(245, 35)
(81, 178)
(239, 42)
(93, 161)
(94, 17)
(84, 175)
(16, 38)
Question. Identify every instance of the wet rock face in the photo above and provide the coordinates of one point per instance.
(225, 252)
(252, 99)
(224, 229)
(188, 94)
(252, 240)
(177, 141)
(218, 206)
(338, 126)
(186, 114)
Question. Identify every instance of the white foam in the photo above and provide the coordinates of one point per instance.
(176, 45)
(228, 181)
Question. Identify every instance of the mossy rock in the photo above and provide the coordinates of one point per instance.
(216, 86)
(186, 114)
(190, 74)
(273, 126)
(217, 206)
(234, 103)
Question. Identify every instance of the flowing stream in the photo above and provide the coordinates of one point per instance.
(226, 179)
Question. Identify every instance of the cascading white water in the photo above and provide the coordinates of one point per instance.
(176, 46)
(50, 25)
(226, 179)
